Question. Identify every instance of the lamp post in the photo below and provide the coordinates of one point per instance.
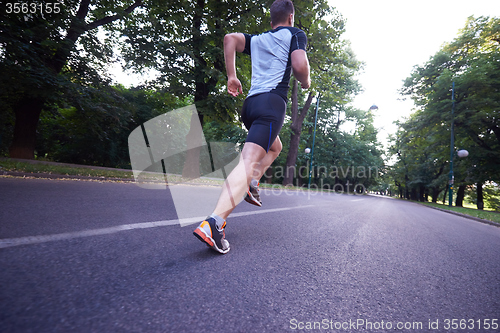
(452, 143)
(314, 138)
(460, 153)
(307, 151)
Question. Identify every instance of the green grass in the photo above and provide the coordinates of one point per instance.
(43, 168)
(482, 214)
(9, 165)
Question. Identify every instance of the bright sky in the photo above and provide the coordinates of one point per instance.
(392, 36)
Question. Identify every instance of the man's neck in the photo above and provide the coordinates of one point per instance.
(281, 25)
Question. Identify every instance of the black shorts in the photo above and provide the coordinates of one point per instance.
(263, 116)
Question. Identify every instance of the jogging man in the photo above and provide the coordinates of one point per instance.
(274, 55)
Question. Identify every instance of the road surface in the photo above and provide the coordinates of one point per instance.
(81, 256)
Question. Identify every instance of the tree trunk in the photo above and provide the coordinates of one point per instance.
(480, 198)
(194, 137)
(268, 175)
(459, 202)
(435, 194)
(296, 127)
(194, 140)
(413, 194)
(291, 158)
(421, 193)
(27, 115)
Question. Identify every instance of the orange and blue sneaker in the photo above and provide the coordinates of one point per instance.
(211, 234)
(253, 196)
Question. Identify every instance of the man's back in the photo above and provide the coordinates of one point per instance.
(271, 58)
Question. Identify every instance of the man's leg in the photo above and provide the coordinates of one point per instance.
(252, 158)
(211, 230)
(253, 196)
(268, 159)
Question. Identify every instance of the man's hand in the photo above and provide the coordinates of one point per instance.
(234, 86)
(306, 84)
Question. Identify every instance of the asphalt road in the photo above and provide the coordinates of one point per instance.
(78, 256)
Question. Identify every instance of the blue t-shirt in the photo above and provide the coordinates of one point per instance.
(271, 59)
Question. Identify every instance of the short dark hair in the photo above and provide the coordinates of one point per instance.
(280, 10)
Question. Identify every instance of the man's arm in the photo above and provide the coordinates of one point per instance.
(233, 42)
(300, 66)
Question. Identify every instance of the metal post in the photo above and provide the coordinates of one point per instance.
(452, 150)
(314, 138)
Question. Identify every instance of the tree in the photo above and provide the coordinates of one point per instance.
(297, 119)
(421, 150)
(44, 51)
(472, 62)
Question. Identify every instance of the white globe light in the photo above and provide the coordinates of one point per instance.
(307, 150)
(462, 153)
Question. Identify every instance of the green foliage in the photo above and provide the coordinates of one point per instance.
(63, 169)
(491, 194)
(91, 126)
(339, 156)
(224, 132)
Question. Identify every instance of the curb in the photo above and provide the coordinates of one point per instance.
(58, 176)
(85, 178)
(74, 177)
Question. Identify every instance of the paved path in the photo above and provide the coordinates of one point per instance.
(110, 257)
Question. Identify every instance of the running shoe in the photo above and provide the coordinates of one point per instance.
(253, 196)
(209, 233)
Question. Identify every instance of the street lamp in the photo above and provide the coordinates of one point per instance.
(462, 153)
(452, 143)
(314, 138)
(307, 151)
